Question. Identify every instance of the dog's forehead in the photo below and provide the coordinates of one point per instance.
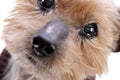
(68, 4)
(75, 12)
(78, 10)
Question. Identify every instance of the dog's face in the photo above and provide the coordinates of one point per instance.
(70, 37)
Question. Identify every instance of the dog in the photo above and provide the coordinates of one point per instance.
(60, 39)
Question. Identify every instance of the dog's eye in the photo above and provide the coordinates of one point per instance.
(89, 31)
(46, 5)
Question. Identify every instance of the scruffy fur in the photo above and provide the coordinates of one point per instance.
(76, 58)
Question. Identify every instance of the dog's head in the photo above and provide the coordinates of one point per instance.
(65, 36)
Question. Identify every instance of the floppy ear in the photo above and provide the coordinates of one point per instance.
(118, 46)
(118, 42)
(4, 59)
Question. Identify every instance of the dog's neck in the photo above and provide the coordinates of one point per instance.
(5, 57)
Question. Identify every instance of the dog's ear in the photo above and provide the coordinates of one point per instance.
(118, 42)
(118, 46)
(4, 59)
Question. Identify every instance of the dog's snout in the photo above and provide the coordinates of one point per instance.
(47, 40)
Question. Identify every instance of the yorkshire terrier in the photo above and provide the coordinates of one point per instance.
(60, 39)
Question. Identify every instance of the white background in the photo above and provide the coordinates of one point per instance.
(114, 59)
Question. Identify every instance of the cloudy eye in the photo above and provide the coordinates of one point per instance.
(89, 31)
(46, 5)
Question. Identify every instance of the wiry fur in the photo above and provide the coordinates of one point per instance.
(76, 58)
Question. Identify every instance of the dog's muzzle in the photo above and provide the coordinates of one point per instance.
(47, 40)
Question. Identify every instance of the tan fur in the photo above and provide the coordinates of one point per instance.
(76, 58)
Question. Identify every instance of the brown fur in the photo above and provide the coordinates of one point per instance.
(77, 58)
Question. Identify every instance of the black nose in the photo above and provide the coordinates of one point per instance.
(42, 47)
(47, 40)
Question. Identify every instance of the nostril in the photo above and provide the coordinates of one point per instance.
(42, 47)
(36, 42)
(49, 49)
